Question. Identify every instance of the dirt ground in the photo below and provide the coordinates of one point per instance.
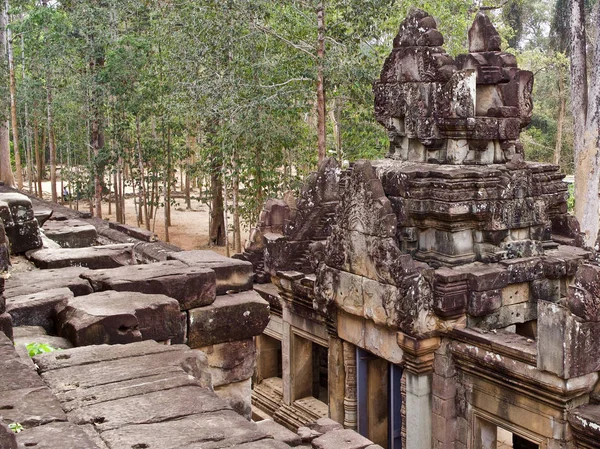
(189, 228)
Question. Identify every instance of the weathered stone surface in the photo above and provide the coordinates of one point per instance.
(62, 435)
(30, 282)
(90, 367)
(583, 298)
(585, 423)
(71, 233)
(485, 302)
(6, 324)
(190, 285)
(231, 361)
(341, 439)
(263, 444)
(231, 274)
(95, 257)
(85, 397)
(119, 317)
(324, 425)
(31, 407)
(8, 439)
(278, 432)
(138, 233)
(18, 374)
(209, 431)
(38, 309)
(151, 407)
(24, 335)
(231, 317)
(238, 396)
(21, 227)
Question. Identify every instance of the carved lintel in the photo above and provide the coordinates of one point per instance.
(418, 353)
(350, 404)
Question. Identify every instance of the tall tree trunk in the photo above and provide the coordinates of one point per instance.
(562, 102)
(6, 173)
(168, 181)
(13, 99)
(217, 219)
(38, 156)
(27, 128)
(143, 196)
(585, 107)
(237, 232)
(51, 141)
(321, 104)
(97, 135)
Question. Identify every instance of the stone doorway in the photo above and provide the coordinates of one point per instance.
(379, 400)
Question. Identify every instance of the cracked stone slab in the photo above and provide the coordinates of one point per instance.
(207, 431)
(29, 282)
(119, 317)
(71, 233)
(191, 286)
(31, 407)
(148, 408)
(94, 257)
(63, 435)
(65, 378)
(232, 274)
(38, 309)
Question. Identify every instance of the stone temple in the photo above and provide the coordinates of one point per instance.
(440, 297)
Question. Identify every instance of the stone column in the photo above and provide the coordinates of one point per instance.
(336, 379)
(286, 361)
(350, 386)
(418, 356)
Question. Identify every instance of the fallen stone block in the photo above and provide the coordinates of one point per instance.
(132, 231)
(119, 317)
(231, 317)
(95, 257)
(264, 444)
(341, 439)
(24, 335)
(232, 274)
(18, 374)
(191, 286)
(278, 432)
(61, 435)
(324, 425)
(38, 309)
(42, 215)
(71, 233)
(29, 282)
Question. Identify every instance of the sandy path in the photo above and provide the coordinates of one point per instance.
(189, 228)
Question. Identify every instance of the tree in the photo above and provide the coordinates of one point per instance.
(586, 114)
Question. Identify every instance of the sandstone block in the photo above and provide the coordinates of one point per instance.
(8, 439)
(231, 274)
(190, 285)
(515, 293)
(38, 309)
(71, 233)
(156, 406)
(231, 362)
(239, 397)
(207, 430)
(231, 317)
(29, 282)
(324, 425)
(279, 433)
(341, 439)
(95, 257)
(119, 317)
(484, 302)
(31, 407)
(6, 324)
(483, 277)
(62, 435)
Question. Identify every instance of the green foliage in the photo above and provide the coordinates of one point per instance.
(571, 198)
(34, 349)
(16, 427)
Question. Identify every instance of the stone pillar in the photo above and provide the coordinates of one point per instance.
(350, 386)
(418, 410)
(302, 368)
(336, 379)
(418, 356)
(286, 361)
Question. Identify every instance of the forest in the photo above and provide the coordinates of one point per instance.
(231, 102)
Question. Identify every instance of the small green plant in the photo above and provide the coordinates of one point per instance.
(16, 427)
(34, 349)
